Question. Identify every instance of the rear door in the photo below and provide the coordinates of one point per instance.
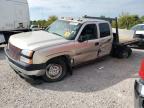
(105, 39)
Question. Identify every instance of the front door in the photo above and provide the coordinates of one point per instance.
(88, 48)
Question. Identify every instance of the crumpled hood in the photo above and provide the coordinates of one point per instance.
(36, 40)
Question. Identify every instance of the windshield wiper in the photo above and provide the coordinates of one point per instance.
(56, 34)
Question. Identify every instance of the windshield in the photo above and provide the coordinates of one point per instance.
(138, 28)
(65, 29)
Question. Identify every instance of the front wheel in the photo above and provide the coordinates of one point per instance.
(55, 70)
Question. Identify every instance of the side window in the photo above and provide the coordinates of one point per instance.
(104, 30)
(89, 32)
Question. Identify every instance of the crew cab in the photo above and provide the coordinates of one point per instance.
(67, 42)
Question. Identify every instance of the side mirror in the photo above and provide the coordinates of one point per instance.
(83, 38)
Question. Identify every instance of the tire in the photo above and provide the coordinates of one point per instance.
(55, 70)
(120, 51)
(125, 52)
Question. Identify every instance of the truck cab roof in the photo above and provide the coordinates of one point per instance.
(92, 20)
(84, 20)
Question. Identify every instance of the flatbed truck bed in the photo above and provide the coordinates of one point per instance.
(129, 42)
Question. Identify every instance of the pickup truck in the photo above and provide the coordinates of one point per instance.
(66, 43)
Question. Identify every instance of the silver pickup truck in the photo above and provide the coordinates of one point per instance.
(53, 52)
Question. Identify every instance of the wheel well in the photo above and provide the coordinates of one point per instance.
(66, 59)
(118, 50)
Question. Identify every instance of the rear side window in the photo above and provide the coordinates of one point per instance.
(104, 30)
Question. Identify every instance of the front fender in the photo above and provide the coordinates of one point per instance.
(41, 57)
(47, 53)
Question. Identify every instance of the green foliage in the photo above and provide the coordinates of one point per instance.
(142, 19)
(51, 19)
(113, 24)
(126, 21)
(102, 16)
(44, 23)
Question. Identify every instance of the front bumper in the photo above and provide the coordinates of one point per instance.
(139, 94)
(25, 69)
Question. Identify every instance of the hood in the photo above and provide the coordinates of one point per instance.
(36, 40)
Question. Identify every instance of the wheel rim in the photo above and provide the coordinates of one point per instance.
(54, 71)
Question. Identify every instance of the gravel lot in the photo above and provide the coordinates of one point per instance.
(105, 84)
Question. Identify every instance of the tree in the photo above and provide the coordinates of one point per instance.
(102, 16)
(113, 24)
(127, 21)
(142, 19)
(33, 22)
(51, 19)
(44, 23)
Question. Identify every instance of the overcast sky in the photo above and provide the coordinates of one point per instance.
(42, 9)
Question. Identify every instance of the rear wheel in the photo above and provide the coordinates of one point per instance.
(121, 51)
(55, 70)
(125, 52)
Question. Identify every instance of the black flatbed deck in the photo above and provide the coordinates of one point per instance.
(130, 42)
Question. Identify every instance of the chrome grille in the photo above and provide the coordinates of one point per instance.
(14, 52)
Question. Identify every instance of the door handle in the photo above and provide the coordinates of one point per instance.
(97, 43)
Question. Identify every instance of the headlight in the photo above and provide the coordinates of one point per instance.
(27, 53)
(26, 60)
(26, 56)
